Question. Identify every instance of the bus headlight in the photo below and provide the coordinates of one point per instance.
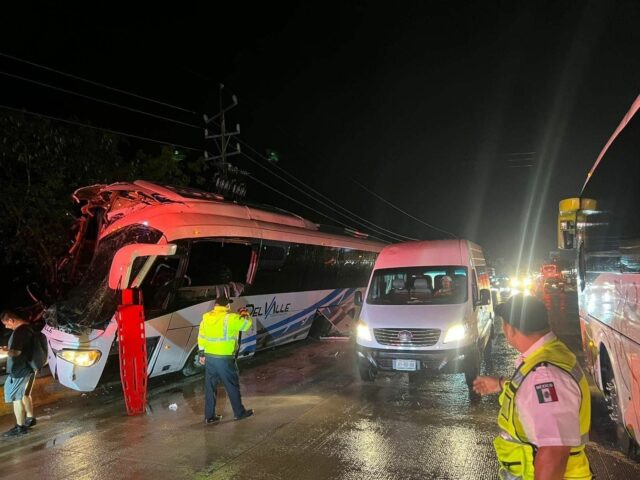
(363, 332)
(82, 358)
(457, 332)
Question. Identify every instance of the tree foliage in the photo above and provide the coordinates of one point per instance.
(41, 164)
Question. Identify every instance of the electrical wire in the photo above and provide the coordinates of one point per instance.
(115, 132)
(305, 205)
(393, 235)
(88, 97)
(402, 211)
(98, 84)
(319, 201)
(379, 229)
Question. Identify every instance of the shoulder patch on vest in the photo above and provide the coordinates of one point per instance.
(546, 392)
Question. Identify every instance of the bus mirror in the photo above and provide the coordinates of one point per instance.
(357, 298)
(120, 273)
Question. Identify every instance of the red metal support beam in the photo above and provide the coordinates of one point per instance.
(133, 351)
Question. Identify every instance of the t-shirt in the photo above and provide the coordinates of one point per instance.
(21, 339)
(548, 403)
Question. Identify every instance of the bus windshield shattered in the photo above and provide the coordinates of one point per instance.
(91, 303)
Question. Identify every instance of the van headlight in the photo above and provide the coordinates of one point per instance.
(455, 333)
(82, 358)
(363, 332)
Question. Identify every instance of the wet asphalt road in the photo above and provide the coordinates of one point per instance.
(314, 420)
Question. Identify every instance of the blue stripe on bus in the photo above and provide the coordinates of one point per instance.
(302, 313)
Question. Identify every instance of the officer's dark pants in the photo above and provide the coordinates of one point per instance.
(221, 369)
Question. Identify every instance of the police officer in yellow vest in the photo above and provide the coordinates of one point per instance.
(545, 407)
(217, 342)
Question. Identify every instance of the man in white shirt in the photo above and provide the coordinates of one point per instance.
(545, 408)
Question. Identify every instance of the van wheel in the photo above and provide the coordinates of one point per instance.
(192, 366)
(488, 349)
(471, 367)
(367, 373)
(417, 377)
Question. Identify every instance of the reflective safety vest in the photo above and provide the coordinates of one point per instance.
(219, 331)
(515, 453)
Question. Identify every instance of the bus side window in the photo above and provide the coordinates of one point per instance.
(281, 268)
(215, 268)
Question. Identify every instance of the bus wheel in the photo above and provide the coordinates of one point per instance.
(192, 365)
(321, 327)
(367, 373)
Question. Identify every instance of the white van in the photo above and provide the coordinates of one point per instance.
(427, 308)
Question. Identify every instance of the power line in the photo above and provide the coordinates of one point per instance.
(98, 84)
(305, 205)
(319, 201)
(394, 235)
(181, 146)
(88, 97)
(402, 211)
(115, 132)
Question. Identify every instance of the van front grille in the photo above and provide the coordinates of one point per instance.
(407, 337)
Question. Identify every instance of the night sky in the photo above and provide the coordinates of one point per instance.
(477, 120)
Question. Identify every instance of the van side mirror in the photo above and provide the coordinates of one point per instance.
(485, 297)
(122, 264)
(357, 298)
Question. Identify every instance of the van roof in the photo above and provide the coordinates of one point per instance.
(428, 252)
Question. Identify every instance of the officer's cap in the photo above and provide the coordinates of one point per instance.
(524, 313)
(223, 301)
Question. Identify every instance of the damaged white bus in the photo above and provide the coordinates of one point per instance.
(290, 273)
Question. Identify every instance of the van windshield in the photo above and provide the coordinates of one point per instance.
(435, 285)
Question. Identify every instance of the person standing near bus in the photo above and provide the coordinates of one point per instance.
(20, 378)
(217, 344)
(545, 407)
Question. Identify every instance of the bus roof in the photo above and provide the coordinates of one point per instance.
(180, 212)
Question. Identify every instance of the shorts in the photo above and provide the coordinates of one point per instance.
(17, 388)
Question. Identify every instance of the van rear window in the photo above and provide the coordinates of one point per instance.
(429, 285)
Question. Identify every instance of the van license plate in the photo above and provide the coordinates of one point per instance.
(409, 365)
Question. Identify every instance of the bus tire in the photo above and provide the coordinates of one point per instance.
(320, 327)
(192, 365)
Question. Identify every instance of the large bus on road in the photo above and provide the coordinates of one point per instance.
(603, 226)
(183, 248)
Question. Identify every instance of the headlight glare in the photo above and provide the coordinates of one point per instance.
(82, 358)
(363, 332)
(455, 333)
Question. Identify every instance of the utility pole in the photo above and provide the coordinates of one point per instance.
(227, 179)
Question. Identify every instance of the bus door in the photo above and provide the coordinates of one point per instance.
(166, 338)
